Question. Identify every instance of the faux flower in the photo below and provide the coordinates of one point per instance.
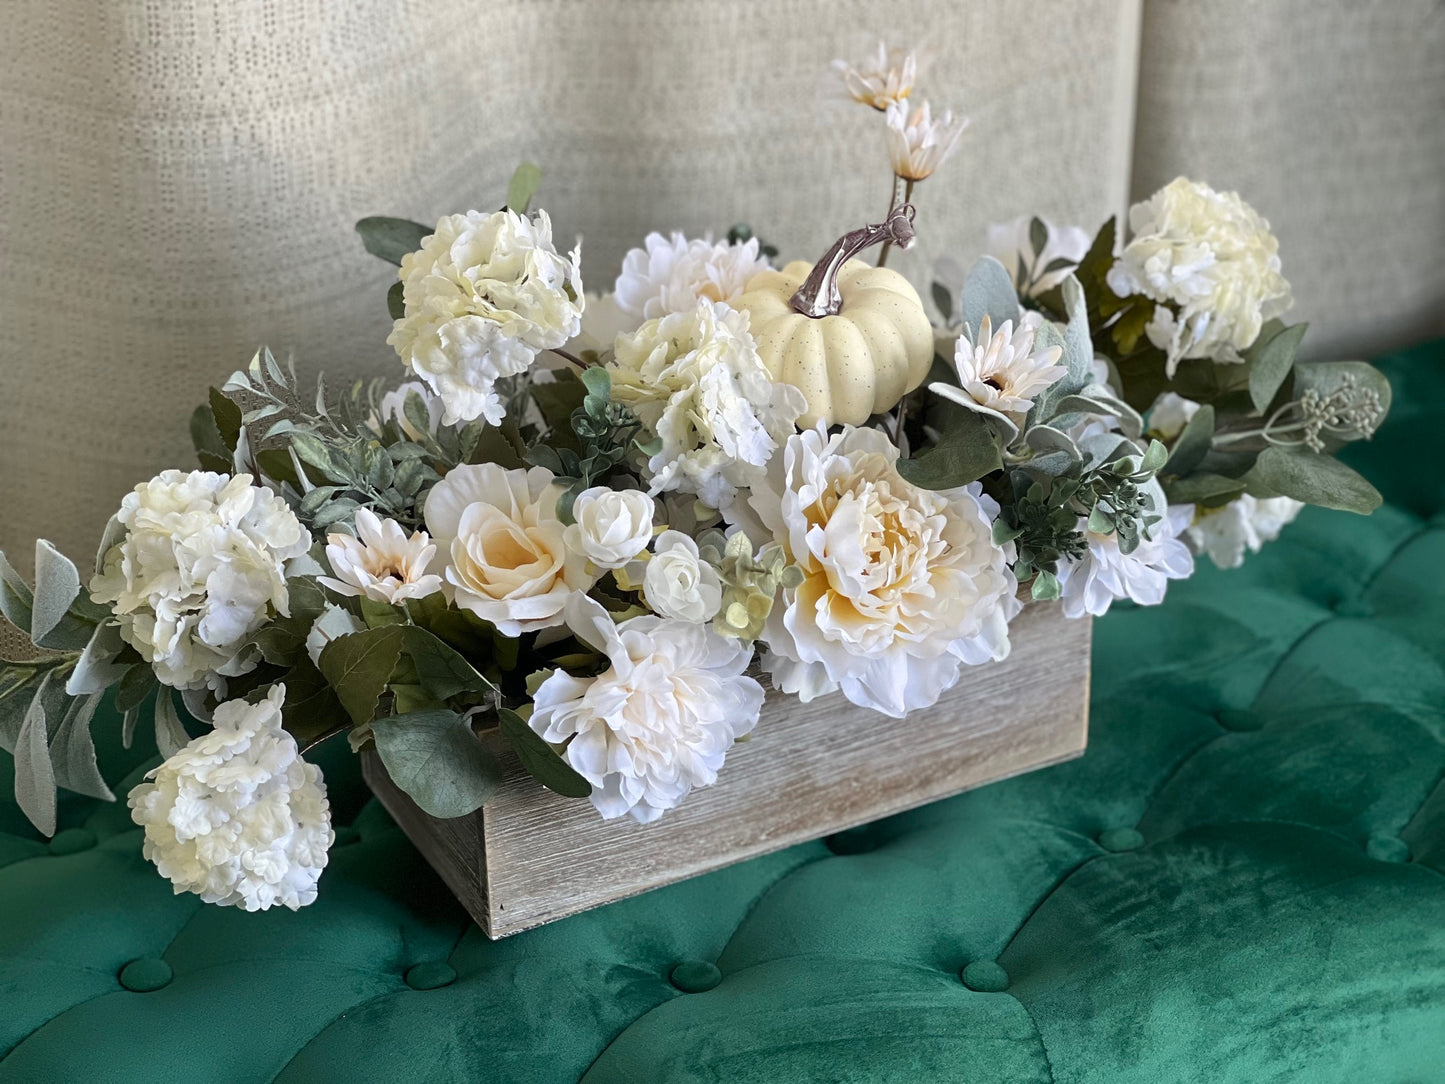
(201, 567)
(483, 296)
(1005, 370)
(1170, 414)
(659, 721)
(1244, 524)
(237, 816)
(669, 274)
(1104, 573)
(1211, 262)
(602, 321)
(383, 563)
(393, 408)
(695, 379)
(506, 555)
(918, 143)
(882, 79)
(611, 526)
(678, 583)
(1011, 244)
(898, 584)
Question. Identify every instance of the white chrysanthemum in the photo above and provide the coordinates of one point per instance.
(678, 583)
(1011, 244)
(383, 563)
(886, 77)
(201, 567)
(669, 274)
(507, 559)
(919, 142)
(1244, 524)
(899, 584)
(610, 526)
(661, 718)
(1170, 414)
(1104, 573)
(484, 295)
(393, 408)
(1211, 262)
(237, 816)
(1005, 370)
(695, 379)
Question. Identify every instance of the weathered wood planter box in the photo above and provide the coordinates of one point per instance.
(530, 856)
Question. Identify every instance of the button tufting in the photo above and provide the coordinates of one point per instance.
(430, 975)
(1354, 606)
(145, 975)
(1385, 848)
(1240, 719)
(695, 976)
(72, 841)
(1121, 839)
(985, 976)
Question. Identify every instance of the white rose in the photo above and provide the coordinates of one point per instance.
(383, 563)
(237, 816)
(900, 584)
(670, 274)
(1244, 524)
(506, 556)
(1104, 573)
(483, 296)
(662, 717)
(201, 567)
(611, 526)
(678, 583)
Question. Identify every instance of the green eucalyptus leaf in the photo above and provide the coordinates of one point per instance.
(598, 382)
(391, 238)
(1203, 488)
(523, 186)
(435, 758)
(441, 669)
(396, 300)
(965, 453)
(1314, 479)
(1270, 362)
(943, 300)
(1045, 587)
(542, 762)
(1193, 443)
(359, 666)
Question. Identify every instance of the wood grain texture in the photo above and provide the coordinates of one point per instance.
(530, 856)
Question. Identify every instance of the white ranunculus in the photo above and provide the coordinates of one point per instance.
(1011, 244)
(237, 816)
(678, 583)
(695, 380)
(1104, 573)
(900, 584)
(919, 142)
(885, 77)
(1170, 414)
(383, 563)
(1244, 524)
(507, 559)
(483, 296)
(611, 526)
(669, 274)
(202, 565)
(659, 721)
(1005, 370)
(393, 408)
(1211, 262)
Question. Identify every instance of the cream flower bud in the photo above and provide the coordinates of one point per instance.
(611, 526)
(678, 583)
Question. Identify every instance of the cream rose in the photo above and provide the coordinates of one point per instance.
(610, 526)
(678, 583)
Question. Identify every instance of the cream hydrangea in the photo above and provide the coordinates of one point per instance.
(659, 721)
(1005, 370)
(383, 562)
(1244, 524)
(1211, 262)
(237, 816)
(1104, 573)
(899, 584)
(202, 565)
(695, 379)
(610, 526)
(669, 274)
(483, 296)
(507, 560)
(678, 583)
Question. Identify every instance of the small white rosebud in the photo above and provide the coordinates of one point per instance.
(611, 526)
(679, 583)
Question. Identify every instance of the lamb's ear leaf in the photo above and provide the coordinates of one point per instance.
(72, 751)
(988, 291)
(54, 621)
(965, 453)
(438, 761)
(34, 774)
(16, 598)
(171, 736)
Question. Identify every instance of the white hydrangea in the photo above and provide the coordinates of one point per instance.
(1244, 524)
(237, 816)
(201, 567)
(1104, 573)
(484, 295)
(669, 274)
(1011, 244)
(659, 721)
(1211, 262)
(695, 379)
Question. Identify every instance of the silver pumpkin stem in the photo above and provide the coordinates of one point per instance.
(818, 296)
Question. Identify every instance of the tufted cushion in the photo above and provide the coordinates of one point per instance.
(1243, 880)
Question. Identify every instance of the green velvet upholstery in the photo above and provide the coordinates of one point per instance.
(1243, 880)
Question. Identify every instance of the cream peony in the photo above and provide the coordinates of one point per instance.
(919, 142)
(1213, 265)
(886, 77)
(1104, 573)
(1010, 243)
(659, 720)
(1005, 370)
(383, 563)
(678, 583)
(669, 274)
(237, 816)
(506, 556)
(483, 296)
(1244, 524)
(201, 567)
(611, 526)
(900, 584)
(695, 379)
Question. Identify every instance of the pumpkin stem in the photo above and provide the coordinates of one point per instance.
(818, 296)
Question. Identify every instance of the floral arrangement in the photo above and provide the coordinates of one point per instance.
(591, 528)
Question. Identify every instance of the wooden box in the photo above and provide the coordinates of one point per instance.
(530, 856)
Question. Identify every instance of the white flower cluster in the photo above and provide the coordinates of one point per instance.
(202, 565)
(1105, 572)
(237, 816)
(1243, 525)
(1210, 261)
(483, 296)
(669, 274)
